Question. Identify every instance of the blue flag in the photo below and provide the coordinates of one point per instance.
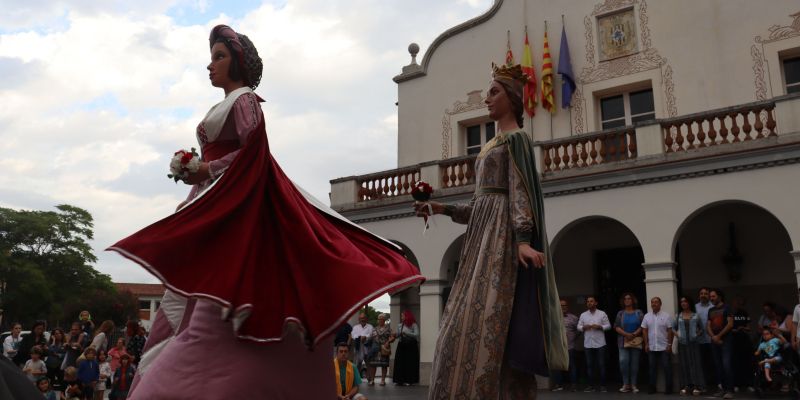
(565, 70)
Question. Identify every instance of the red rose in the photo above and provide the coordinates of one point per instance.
(186, 158)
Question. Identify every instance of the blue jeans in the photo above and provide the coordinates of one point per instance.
(663, 358)
(558, 376)
(629, 365)
(596, 358)
(723, 361)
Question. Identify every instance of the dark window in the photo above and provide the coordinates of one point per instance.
(489, 130)
(612, 111)
(642, 108)
(791, 71)
(478, 135)
(627, 108)
(144, 305)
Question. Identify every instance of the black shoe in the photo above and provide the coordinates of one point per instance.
(651, 391)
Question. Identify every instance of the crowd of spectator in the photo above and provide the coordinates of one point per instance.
(79, 364)
(367, 348)
(717, 350)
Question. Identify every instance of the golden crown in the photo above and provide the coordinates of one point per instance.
(512, 72)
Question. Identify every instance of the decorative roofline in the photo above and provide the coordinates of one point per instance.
(415, 71)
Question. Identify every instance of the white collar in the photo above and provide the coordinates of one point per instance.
(216, 116)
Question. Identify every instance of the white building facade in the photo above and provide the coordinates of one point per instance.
(675, 166)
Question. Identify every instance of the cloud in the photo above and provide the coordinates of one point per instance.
(97, 95)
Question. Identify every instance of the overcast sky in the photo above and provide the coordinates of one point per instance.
(95, 96)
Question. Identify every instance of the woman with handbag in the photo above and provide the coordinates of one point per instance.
(380, 351)
(406, 358)
(689, 328)
(628, 325)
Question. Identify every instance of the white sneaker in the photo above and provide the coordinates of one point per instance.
(634, 389)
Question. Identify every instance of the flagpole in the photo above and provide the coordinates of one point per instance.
(549, 113)
(564, 26)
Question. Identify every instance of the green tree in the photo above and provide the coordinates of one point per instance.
(45, 265)
(372, 314)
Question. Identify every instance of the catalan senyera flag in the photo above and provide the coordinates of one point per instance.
(548, 98)
(529, 91)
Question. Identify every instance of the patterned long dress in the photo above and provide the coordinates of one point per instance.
(380, 335)
(471, 360)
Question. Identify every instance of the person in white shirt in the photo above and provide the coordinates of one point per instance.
(593, 323)
(361, 333)
(657, 332)
(11, 343)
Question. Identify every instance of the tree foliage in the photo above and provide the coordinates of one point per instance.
(46, 271)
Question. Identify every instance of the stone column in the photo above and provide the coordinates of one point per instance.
(660, 281)
(796, 256)
(430, 298)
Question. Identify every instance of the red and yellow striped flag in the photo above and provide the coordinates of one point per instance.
(548, 98)
(509, 54)
(529, 91)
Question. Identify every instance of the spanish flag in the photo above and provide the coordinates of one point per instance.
(548, 99)
(529, 91)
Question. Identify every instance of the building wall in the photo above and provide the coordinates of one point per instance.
(704, 55)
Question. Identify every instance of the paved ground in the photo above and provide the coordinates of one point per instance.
(391, 392)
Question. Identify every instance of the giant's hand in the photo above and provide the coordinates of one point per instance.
(528, 256)
(422, 210)
(201, 175)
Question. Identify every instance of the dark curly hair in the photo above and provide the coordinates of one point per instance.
(249, 67)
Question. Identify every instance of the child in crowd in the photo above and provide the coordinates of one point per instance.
(105, 373)
(123, 377)
(35, 367)
(44, 387)
(72, 386)
(88, 373)
(768, 350)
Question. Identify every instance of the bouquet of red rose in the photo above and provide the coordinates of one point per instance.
(422, 191)
(182, 164)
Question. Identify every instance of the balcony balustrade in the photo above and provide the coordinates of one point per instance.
(742, 128)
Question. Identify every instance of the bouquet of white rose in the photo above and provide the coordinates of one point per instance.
(183, 163)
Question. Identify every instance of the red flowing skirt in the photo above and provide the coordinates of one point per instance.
(254, 244)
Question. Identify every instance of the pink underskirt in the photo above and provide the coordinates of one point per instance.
(205, 361)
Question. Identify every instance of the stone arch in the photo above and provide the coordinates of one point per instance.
(740, 247)
(449, 266)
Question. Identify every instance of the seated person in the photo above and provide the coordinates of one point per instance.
(347, 376)
(768, 350)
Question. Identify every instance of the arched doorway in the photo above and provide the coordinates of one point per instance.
(738, 247)
(449, 267)
(599, 256)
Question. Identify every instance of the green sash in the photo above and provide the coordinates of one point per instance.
(555, 338)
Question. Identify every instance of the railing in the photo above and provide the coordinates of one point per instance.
(648, 143)
(588, 150)
(458, 171)
(387, 184)
(739, 124)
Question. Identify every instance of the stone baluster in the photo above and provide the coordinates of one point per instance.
(632, 143)
(734, 128)
(759, 125)
(668, 141)
(712, 133)
(771, 120)
(689, 136)
(546, 150)
(746, 127)
(723, 130)
(701, 134)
